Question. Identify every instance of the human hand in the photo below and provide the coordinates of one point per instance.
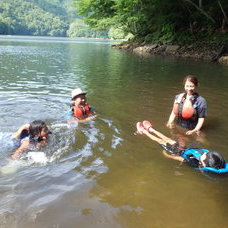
(93, 117)
(19, 131)
(191, 132)
(26, 126)
(170, 125)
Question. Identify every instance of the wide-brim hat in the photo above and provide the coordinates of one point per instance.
(77, 92)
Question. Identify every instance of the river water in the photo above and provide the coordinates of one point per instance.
(99, 174)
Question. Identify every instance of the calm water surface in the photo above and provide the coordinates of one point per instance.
(99, 174)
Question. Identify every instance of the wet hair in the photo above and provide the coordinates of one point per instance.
(192, 79)
(215, 160)
(36, 127)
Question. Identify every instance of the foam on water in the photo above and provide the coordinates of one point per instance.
(37, 157)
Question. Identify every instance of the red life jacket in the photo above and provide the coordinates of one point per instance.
(82, 112)
(184, 109)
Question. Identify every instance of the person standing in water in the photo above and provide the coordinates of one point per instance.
(189, 108)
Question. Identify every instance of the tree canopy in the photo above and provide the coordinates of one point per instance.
(160, 20)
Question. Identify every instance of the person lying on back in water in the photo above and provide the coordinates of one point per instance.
(197, 157)
(30, 135)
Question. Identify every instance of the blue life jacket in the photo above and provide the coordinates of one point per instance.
(192, 156)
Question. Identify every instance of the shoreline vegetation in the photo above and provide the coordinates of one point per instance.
(186, 29)
(196, 51)
(193, 29)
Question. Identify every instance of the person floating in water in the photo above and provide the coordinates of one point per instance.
(200, 158)
(189, 108)
(80, 110)
(30, 135)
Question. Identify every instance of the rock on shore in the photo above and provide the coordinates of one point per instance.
(206, 53)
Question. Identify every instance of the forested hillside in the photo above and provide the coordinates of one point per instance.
(180, 21)
(47, 18)
(33, 17)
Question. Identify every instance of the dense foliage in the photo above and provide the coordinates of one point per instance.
(33, 17)
(79, 29)
(47, 18)
(160, 20)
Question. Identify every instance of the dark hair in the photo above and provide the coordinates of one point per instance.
(215, 160)
(192, 79)
(36, 127)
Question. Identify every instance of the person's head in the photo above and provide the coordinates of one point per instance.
(190, 83)
(213, 159)
(78, 97)
(38, 130)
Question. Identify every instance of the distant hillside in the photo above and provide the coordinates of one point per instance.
(48, 18)
(35, 17)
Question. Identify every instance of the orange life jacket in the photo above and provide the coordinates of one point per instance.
(184, 109)
(82, 112)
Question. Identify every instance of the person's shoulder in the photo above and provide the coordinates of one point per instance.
(178, 95)
(201, 99)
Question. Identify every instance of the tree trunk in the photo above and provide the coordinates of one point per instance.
(225, 19)
(201, 10)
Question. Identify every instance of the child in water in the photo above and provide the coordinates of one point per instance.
(196, 157)
(80, 109)
(34, 134)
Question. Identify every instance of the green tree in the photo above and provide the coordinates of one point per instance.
(79, 29)
(158, 19)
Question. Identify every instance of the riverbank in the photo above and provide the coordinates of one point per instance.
(210, 53)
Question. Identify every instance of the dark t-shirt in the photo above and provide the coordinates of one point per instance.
(200, 107)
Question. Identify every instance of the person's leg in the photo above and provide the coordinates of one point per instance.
(148, 126)
(163, 137)
(167, 143)
(154, 138)
(141, 130)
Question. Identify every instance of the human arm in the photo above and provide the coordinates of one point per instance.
(76, 120)
(201, 111)
(24, 145)
(19, 131)
(170, 123)
(89, 118)
(178, 99)
(197, 128)
(174, 157)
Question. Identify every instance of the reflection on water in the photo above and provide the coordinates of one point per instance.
(99, 174)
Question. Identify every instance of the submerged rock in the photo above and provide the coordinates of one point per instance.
(172, 48)
(223, 60)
